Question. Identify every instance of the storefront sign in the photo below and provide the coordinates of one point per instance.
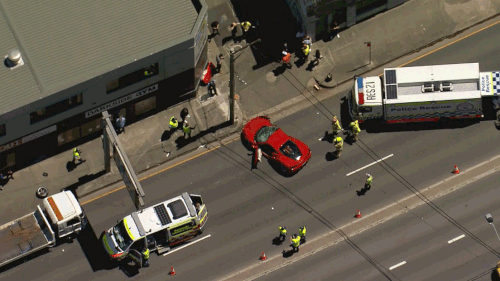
(121, 100)
(28, 138)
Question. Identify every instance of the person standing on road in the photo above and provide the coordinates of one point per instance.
(339, 145)
(219, 60)
(302, 234)
(295, 243)
(187, 129)
(215, 28)
(336, 125)
(355, 130)
(368, 182)
(76, 156)
(257, 157)
(173, 124)
(234, 30)
(120, 124)
(245, 27)
(282, 233)
(8, 176)
(334, 29)
(184, 114)
(306, 50)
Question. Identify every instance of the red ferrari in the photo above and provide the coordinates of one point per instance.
(275, 145)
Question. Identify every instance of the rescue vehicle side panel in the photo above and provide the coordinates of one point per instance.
(428, 111)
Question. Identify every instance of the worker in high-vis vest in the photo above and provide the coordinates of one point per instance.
(282, 233)
(306, 49)
(245, 26)
(295, 239)
(187, 129)
(174, 124)
(302, 234)
(76, 156)
(368, 182)
(339, 145)
(145, 258)
(355, 130)
(336, 125)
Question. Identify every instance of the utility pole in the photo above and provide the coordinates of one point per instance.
(231, 86)
(231, 79)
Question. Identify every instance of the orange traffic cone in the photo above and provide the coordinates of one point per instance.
(263, 256)
(358, 214)
(456, 170)
(172, 271)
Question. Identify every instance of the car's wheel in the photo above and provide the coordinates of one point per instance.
(42, 192)
(283, 169)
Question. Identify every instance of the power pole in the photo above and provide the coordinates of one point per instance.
(231, 79)
(231, 86)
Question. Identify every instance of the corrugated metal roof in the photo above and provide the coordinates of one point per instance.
(67, 42)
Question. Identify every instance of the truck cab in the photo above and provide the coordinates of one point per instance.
(365, 100)
(65, 213)
(158, 228)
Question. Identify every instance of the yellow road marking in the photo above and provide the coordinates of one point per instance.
(161, 171)
(442, 47)
(205, 152)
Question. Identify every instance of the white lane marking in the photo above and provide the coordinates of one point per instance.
(397, 265)
(191, 243)
(456, 238)
(371, 225)
(381, 159)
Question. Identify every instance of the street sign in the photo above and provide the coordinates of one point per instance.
(122, 163)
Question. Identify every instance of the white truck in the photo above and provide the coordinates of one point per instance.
(38, 230)
(424, 93)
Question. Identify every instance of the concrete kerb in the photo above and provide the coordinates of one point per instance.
(116, 178)
(357, 226)
(321, 82)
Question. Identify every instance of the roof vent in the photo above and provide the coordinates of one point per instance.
(14, 59)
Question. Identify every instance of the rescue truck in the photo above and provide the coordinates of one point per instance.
(158, 228)
(425, 94)
(62, 217)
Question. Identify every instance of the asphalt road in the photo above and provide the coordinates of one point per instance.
(419, 239)
(246, 207)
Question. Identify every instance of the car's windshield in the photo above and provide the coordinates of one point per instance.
(121, 236)
(291, 150)
(264, 133)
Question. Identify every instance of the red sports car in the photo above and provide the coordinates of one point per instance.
(277, 146)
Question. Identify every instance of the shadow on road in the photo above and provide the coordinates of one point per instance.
(289, 253)
(182, 141)
(94, 250)
(83, 180)
(277, 241)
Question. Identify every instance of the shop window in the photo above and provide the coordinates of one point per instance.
(68, 136)
(2, 130)
(132, 78)
(11, 159)
(55, 108)
(145, 105)
(91, 127)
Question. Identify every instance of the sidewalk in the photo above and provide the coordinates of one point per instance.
(147, 144)
(402, 30)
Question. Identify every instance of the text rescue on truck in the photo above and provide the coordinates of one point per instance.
(425, 94)
(158, 227)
